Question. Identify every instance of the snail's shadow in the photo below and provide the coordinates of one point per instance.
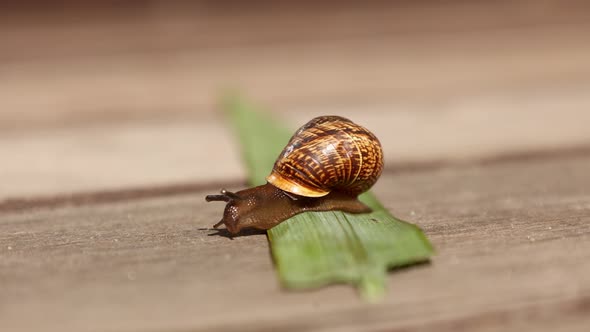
(225, 233)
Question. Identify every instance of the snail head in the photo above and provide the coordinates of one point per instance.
(231, 214)
(260, 207)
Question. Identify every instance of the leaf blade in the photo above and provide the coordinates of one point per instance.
(314, 249)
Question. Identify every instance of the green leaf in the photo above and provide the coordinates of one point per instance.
(313, 249)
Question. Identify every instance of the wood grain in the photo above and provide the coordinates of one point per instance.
(512, 254)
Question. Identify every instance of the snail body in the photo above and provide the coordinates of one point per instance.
(327, 163)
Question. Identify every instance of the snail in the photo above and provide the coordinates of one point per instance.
(327, 163)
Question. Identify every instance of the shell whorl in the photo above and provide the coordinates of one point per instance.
(328, 153)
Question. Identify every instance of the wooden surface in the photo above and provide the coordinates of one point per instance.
(109, 140)
(512, 240)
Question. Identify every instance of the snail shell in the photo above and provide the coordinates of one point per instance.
(329, 153)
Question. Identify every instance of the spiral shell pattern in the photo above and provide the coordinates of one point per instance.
(328, 153)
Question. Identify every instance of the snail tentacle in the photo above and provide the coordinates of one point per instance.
(214, 198)
(230, 194)
(225, 196)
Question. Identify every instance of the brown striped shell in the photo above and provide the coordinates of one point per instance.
(328, 153)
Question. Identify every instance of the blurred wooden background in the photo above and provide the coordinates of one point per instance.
(110, 136)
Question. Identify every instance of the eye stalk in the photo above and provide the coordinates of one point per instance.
(225, 196)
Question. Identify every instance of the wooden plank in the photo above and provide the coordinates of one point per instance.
(77, 29)
(512, 242)
(410, 53)
(114, 157)
(142, 155)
